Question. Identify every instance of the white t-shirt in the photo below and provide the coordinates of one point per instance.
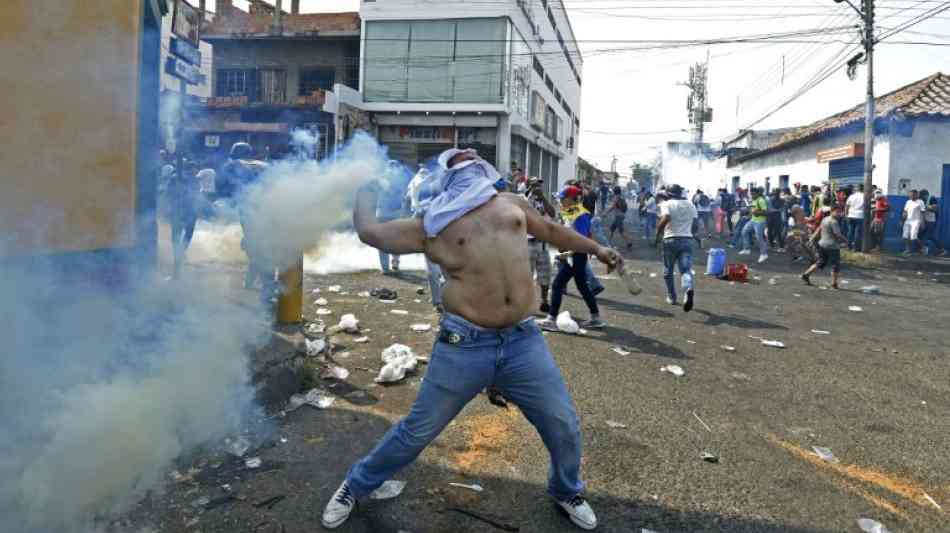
(681, 213)
(650, 205)
(855, 205)
(914, 210)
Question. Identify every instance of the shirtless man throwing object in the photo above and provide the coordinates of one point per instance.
(487, 337)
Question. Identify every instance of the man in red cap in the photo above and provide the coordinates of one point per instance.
(573, 265)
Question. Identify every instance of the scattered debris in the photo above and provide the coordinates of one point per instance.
(399, 359)
(238, 447)
(334, 288)
(474, 486)
(253, 462)
(420, 328)
(316, 327)
(709, 458)
(315, 347)
(314, 398)
(201, 502)
(690, 342)
(820, 332)
(797, 295)
(493, 521)
(728, 348)
(773, 344)
(361, 340)
(932, 501)
(872, 526)
(855, 308)
(363, 294)
(418, 301)
(399, 312)
(845, 282)
(616, 425)
(709, 429)
(389, 489)
(321, 302)
(652, 274)
(384, 294)
(825, 454)
(645, 530)
(323, 311)
(269, 503)
(757, 278)
(741, 376)
(349, 323)
(420, 291)
(871, 289)
(315, 291)
(335, 372)
(773, 281)
(676, 370)
(567, 324)
(620, 350)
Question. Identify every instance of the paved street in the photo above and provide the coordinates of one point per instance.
(876, 392)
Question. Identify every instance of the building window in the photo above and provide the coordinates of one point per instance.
(236, 82)
(273, 86)
(312, 79)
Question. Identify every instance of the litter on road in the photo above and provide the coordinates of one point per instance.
(399, 312)
(316, 327)
(389, 489)
(349, 323)
(690, 342)
(314, 398)
(709, 429)
(361, 340)
(474, 486)
(616, 425)
(773, 281)
(320, 301)
(709, 457)
(323, 311)
(620, 350)
(238, 447)
(335, 372)
(676, 370)
(363, 294)
(855, 308)
(871, 289)
(869, 525)
(567, 324)
(315, 347)
(315, 291)
(825, 454)
(384, 294)
(728, 348)
(773, 344)
(399, 359)
(253, 462)
(820, 332)
(419, 328)
(933, 502)
(334, 288)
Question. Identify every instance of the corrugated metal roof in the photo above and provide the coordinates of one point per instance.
(927, 97)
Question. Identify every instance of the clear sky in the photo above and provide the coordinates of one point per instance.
(636, 90)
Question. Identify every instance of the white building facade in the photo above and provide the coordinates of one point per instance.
(501, 77)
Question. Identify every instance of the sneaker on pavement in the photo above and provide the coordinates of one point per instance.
(670, 301)
(547, 324)
(763, 258)
(688, 304)
(339, 508)
(807, 279)
(580, 512)
(745, 252)
(594, 323)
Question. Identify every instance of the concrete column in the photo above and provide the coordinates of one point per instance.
(294, 7)
(278, 13)
(503, 145)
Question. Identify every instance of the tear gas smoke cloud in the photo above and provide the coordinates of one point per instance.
(297, 202)
(101, 389)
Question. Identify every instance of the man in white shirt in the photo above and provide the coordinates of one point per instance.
(912, 217)
(675, 229)
(855, 205)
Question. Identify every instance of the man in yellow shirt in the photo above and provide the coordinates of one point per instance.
(758, 209)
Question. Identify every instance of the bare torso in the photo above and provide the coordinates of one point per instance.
(484, 256)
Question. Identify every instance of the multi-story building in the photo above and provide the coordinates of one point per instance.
(271, 72)
(501, 77)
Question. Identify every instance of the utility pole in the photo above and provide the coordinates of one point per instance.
(696, 108)
(867, 18)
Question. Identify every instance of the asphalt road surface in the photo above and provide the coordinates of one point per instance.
(875, 391)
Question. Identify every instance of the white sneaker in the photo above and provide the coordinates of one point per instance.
(745, 252)
(339, 507)
(763, 258)
(670, 301)
(580, 512)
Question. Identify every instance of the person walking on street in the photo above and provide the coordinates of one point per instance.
(618, 212)
(804, 200)
(758, 210)
(829, 238)
(487, 334)
(676, 233)
(880, 207)
(929, 229)
(184, 201)
(727, 203)
(775, 224)
(855, 213)
(604, 195)
(912, 219)
(540, 256)
(704, 213)
(649, 216)
(573, 265)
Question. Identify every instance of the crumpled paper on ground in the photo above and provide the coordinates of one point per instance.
(399, 359)
(349, 324)
(567, 324)
(314, 397)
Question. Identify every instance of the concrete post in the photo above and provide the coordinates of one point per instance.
(294, 7)
(278, 13)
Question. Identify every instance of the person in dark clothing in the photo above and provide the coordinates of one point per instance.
(573, 265)
(928, 230)
(183, 195)
(604, 195)
(618, 210)
(589, 199)
(727, 202)
(776, 227)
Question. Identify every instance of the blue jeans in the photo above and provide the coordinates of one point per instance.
(737, 234)
(592, 282)
(649, 226)
(855, 233)
(757, 228)
(466, 359)
(577, 270)
(678, 252)
(597, 231)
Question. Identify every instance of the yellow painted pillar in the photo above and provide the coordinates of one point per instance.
(290, 301)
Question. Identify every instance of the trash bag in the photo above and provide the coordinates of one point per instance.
(399, 359)
(349, 324)
(567, 324)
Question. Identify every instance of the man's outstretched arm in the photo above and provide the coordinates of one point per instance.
(402, 236)
(563, 237)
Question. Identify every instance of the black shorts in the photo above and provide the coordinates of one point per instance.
(829, 257)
